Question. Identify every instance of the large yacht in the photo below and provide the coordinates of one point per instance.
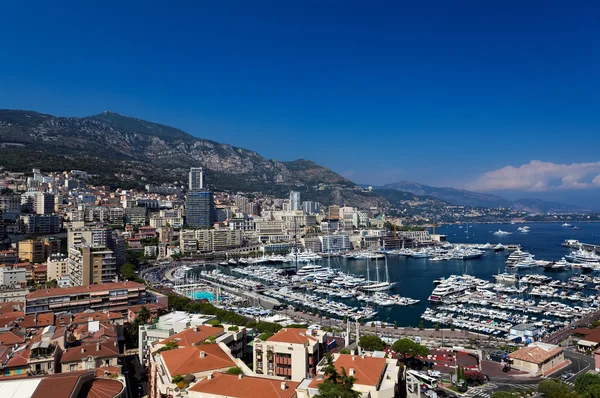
(311, 269)
(499, 247)
(583, 256)
(561, 265)
(506, 277)
(502, 233)
(525, 263)
(518, 256)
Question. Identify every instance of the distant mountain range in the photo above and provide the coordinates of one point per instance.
(126, 152)
(463, 197)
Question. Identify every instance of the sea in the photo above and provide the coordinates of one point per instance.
(415, 276)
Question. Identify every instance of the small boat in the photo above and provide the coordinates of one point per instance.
(499, 247)
(502, 233)
(566, 225)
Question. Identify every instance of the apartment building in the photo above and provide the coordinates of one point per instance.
(290, 353)
(8, 257)
(89, 265)
(35, 224)
(90, 356)
(57, 266)
(200, 361)
(375, 377)
(38, 250)
(44, 203)
(117, 297)
(202, 240)
(12, 276)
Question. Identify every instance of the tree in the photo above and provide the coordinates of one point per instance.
(371, 343)
(171, 345)
(52, 284)
(504, 394)
(127, 272)
(336, 385)
(592, 391)
(553, 388)
(585, 382)
(235, 370)
(407, 347)
(143, 315)
(474, 377)
(176, 379)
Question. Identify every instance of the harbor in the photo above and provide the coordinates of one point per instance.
(526, 280)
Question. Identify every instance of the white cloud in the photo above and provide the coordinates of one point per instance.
(538, 176)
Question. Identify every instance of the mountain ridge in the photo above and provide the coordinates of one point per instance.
(463, 197)
(129, 152)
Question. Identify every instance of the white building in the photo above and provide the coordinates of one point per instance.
(58, 266)
(295, 203)
(376, 377)
(10, 276)
(290, 353)
(196, 179)
(335, 243)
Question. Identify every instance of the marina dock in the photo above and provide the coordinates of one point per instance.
(575, 244)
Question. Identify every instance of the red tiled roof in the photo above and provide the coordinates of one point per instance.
(75, 354)
(44, 320)
(190, 337)
(111, 370)
(59, 385)
(19, 358)
(188, 359)
(536, 353)
(61, 291)
(291, 335)
(222, 384)
(367, 370)
(8, 306)
(84, 317)
(101, 388)
(151, 307)
(10, 339)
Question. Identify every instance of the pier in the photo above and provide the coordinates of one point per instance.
(575, 244)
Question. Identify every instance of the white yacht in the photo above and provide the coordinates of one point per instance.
(499, 247)
(420, 254)
(518, 256)
(311, 269)
(525, 263)
(502, 233)
(561, 265)
(379, 286)
(506, 277)
(583, 256)
(566, 225)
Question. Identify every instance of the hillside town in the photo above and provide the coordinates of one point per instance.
(96, 297)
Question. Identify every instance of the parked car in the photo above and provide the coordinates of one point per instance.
(566, 375)
(431, 394)
(434, 373)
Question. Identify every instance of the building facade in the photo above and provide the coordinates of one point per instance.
(199, 209)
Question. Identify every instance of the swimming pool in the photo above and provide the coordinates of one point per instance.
(202, 296)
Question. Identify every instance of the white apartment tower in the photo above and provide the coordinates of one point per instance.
(196, 180)
(295, 203)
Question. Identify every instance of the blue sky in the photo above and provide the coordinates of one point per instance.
(433, 92)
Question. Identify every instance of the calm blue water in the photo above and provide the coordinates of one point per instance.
(415, 276)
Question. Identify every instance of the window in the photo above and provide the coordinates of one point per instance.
(72, 368)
